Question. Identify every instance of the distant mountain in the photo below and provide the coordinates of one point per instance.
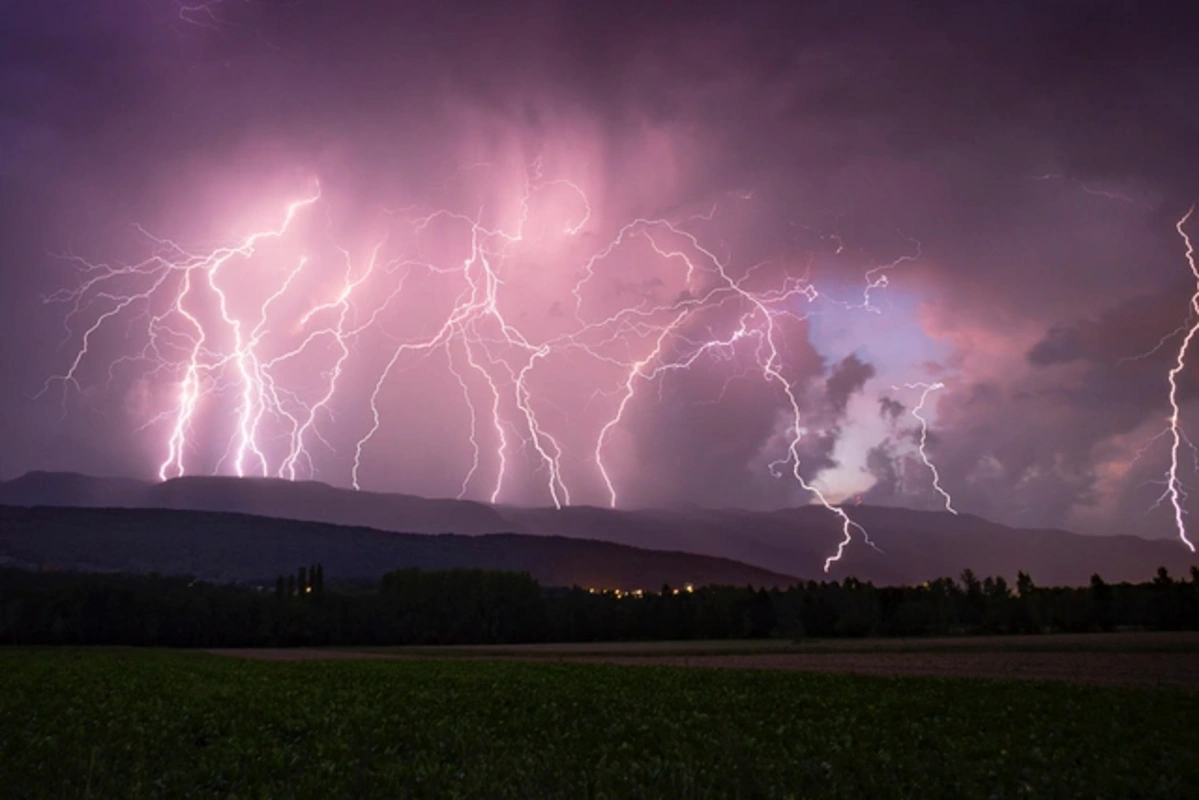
(239, 547)
(912, 546)
(307, 500)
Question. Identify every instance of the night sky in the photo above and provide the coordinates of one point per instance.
(681, 214)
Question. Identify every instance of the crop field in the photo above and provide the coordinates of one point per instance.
(126, 723)
(1142, 659)
(1173, 642)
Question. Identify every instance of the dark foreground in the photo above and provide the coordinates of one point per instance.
(79, 723)
(1143, 659)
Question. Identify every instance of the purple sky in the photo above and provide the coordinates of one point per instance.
(619, 185)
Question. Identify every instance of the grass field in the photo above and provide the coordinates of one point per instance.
(168, 724)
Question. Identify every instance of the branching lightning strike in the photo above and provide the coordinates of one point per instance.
(245, 349)
(1174, 489)
(926, 390)
(1174, 492)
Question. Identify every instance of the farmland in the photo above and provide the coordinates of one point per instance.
(1140, 659)
(144, 723)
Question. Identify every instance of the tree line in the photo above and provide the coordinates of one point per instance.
(472, 606)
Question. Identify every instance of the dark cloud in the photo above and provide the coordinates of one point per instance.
(1061, 345)
(889, 408)
(1137, 329)
(883, 465)
(847, 377)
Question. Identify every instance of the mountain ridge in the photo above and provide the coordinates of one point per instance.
(227, 546)
(912, 545)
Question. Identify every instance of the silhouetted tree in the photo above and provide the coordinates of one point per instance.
(481, 606)
(975, 599)
(1026, 616)
(760, 614)
(1101, 598)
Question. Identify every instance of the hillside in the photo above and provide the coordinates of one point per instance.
(915, 545)
(224, 546)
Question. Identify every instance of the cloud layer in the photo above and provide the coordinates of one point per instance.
(1024, 163)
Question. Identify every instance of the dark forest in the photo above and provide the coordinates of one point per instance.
(413, 607)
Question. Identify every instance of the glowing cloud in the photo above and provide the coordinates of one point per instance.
(258, 337)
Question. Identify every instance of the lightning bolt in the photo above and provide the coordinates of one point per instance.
(926, 390)
(202, 15)
(1181, 330)
(219, 338)
(762, 311)
(1174, 491)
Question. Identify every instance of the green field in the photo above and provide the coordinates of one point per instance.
(102, 724)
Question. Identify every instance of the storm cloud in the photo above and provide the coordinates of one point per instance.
(1014, 171)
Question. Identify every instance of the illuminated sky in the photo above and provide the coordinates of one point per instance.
(1016, 172)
